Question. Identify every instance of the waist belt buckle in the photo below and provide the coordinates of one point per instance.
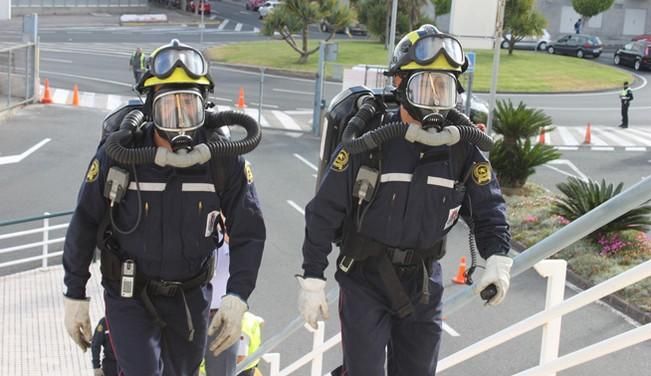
(168, 288)
(401, 256)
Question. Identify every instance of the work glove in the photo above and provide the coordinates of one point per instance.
(227, 323)
(497, 272)
(77, 321)
(312, 300)
(98, 372)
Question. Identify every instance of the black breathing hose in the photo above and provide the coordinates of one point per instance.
(117, 143)
(215, 120)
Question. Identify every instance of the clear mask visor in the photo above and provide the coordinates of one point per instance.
(178, 111)
(432, 90)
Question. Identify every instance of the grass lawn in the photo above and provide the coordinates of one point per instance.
(524, 71)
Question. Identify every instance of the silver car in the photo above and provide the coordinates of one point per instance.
(533, 42)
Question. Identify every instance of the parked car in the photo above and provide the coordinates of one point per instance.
(204, 7)
(635, 54)
(642, 37)
(265, 9)
(355, 28)
(478, 107)
(533, 42)
(579, 45)
(254, 4)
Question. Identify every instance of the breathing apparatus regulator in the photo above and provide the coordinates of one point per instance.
(176, 86)
(425, 65)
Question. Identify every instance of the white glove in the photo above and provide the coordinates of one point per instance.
(227, 323)
(77, 321)
(497, 272)
(98, 372)
(312, 299)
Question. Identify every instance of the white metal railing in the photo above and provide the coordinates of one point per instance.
(632, 198)
(44, 243)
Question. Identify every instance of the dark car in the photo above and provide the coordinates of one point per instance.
(634, 54)
(355, 28)
(579, 45)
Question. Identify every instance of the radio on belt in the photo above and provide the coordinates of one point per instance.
(128, 278)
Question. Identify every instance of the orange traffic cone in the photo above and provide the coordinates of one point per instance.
(240, 101)
(46, 93)
(588, 135)
(460, 278)
(541, 137)
(75, 95)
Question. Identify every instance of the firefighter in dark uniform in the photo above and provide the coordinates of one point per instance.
(388, 273)
(157, 249)
(102, 339)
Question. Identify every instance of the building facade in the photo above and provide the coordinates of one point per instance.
(623, 20)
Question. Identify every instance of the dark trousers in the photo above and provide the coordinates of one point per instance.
(368, 324)
(625, 115)
(109, 367)
(143, 348)
(136, 75)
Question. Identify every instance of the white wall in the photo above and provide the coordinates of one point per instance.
(473, 21)
(5, 10)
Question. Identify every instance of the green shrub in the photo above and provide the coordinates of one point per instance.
(580, 197)
(515, 123)
(514, 163)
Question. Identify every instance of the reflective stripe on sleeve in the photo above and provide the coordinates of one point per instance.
(197, 187)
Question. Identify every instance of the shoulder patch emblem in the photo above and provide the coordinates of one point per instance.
(248, 172)
(93, 171)
(481, 173)
(100, 328)
(341, 161)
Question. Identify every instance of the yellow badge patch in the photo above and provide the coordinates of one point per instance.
(481, 173)
(100, 328)
(248, 172)
(341, 161)
(93, 171)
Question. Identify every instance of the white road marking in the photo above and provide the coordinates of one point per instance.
(86, 99)
(635, 148)
(222, 25)
(295, 206)
(222, 99)
(308, 163)
(567, 148)
(113, 101)
(565, 135)
(56, 60)
(640, 108)
(19, 157)
(87, 78)
(298, 92)
(286, 120)
(60, 96)
(449, 330)
(602, 148)
(571, 165)
(264, 105)
(642, 135)
(253, 112)
(256, 30)
(238, 27)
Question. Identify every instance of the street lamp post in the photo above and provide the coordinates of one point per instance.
(499, 24)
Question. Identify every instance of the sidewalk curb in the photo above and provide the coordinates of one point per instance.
(613, 301)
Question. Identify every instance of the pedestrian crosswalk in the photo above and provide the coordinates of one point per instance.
(296, 121)
(212, 23)
(564, 138)
(598, 138)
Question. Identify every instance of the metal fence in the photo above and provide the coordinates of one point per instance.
(18, 75)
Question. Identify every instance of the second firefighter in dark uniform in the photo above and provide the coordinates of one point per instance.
(388, 272)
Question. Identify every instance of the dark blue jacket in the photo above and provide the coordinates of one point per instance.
(101, 339)
(418, 201)
(175, 236)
